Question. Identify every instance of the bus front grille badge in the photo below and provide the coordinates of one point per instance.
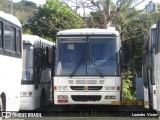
(85, 87)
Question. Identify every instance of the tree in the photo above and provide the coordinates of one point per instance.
(24, 10)
(132, 24)
(5, 5)
(51, 18)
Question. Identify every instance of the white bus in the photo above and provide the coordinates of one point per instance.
(157, 64)
(10, 62)
(87, 67)
(149, 70)
(37, 69)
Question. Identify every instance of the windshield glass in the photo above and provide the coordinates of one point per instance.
(71, 56)
(87, 56)
(103, 57)
(27, 62)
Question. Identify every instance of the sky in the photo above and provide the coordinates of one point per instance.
(38, 2)
(140, 6)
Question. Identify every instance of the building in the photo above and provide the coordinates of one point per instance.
(150, 7)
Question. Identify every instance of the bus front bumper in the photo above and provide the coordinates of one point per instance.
(106, 98)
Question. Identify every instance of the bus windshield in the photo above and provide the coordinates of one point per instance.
(27, 62)
(87, 56)
(103, 57)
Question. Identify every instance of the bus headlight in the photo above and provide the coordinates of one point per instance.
(101, 81)
(109, 88)
(26, 94)
(62, 88)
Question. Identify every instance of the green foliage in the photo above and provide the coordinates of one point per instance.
(5, 6)
(133, 26)
(97, 19)
(27, 31)
(48, 38)
(22, 10)
(52, 17)
(128, 92)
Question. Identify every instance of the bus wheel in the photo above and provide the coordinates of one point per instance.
(2, 105)
(42, 102)
(1, 108)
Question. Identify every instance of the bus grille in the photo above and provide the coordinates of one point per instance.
(84, 88)
(85, 98)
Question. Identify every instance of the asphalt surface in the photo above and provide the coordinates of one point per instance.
(88, 112)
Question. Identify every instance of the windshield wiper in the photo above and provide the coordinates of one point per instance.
(96, 68)
(76, 67)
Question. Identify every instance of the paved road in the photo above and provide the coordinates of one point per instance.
(84, 112)
(88, 118)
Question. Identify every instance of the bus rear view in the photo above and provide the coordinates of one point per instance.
(87, 69)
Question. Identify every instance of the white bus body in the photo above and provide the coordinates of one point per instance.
(36, 76)
(149, 70)
(10, 62)
(157, 64)
(87, 67)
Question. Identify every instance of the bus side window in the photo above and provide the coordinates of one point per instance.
(9, 38)
(18, 41)
(50, 56)
(47, 56)
(43, 55)
(158, 37)
(1, 35)
(13, 39)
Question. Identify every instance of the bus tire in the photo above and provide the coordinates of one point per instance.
(2, 106)
(42, 102)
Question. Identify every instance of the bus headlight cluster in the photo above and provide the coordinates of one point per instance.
(101, 81)
(70, 81)
(26, 94)
(62, 88)
(109, 88)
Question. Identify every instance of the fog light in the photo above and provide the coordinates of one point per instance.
(62, 97)
(110, 97)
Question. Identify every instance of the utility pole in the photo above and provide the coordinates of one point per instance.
(11, 7)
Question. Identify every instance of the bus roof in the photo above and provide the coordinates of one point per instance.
(34, 38)
(10, 18)
(90, 31)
